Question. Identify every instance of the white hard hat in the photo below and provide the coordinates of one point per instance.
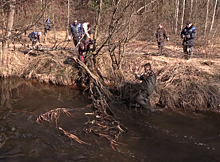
(40, 33)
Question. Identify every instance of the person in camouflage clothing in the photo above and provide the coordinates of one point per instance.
(147, 87)
(161, 37)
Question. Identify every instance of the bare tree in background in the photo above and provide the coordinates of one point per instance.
(68, 19)
(9, 25)
(120, 26)
(183, 13)
(213, 16)
(191, 9)
(111, 31)
(97, 23)
(176, 16)
(207, 15)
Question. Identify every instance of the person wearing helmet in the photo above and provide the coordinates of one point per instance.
(34, 37)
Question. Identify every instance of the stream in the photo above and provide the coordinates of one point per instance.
(161, 136)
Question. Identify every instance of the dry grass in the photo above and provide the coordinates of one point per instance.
(181, 84)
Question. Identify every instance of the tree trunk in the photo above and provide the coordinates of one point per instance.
(184, 4)
(207, 16)
(44, 7)
(176, 15)
(10, 22)
(2, 37)
(213, 16)
(54, 27)
(191, 9)
(97, 23)
(68, 20)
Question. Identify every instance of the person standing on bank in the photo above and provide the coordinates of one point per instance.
(147, 87)
(76, 30)
(161, 37)
(86, 30)
(47, 26)
(188, 35)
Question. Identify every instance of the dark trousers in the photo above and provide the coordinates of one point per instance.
(33, 41)
(143, 99)
(160, 47)
(76, 40)
(185, 49)
(187, 54)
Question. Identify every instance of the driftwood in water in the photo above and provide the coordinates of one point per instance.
(103, 121)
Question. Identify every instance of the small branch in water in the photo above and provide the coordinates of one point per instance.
(1, 144)
(72, 136)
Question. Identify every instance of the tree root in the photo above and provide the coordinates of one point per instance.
(72, 136)
(106, 123)
(53, 115)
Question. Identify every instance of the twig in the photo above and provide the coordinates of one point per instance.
(1, 144)
(72, 136)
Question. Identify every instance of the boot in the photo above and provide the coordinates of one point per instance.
(191, 55)
(160, 51)
(186, 55)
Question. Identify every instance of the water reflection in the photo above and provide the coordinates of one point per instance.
(157, 137)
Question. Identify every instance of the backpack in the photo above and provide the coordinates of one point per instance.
(71, 25)
(79, 25)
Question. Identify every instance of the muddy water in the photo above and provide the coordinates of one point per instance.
(150, 137)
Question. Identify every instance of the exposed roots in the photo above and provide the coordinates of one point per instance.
(104, 123)
(105, 128)
(72, 136)
(53, 115)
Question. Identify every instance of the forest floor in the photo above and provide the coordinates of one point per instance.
(175, 75)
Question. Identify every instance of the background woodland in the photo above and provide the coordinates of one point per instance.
(116, 21)
(121, 30)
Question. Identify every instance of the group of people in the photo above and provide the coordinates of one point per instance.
(148, 79)
(35, 35)
(188, 35)
(80, 34)
(81, 38)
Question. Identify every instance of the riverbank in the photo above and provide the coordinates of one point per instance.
(181, 84)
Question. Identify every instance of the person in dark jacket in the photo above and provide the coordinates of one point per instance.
(161, 36)
(84, 48)
(76, 30)
(147, 87)
(34, 37)
(188, 35)
(47, 26)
